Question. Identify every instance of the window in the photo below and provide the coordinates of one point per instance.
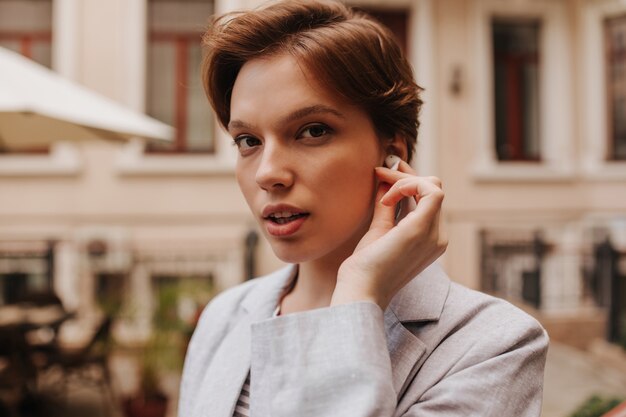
(396, 20)
(26, 269)
(615, 32)
(25, 27)
(516, 89)
(524, 101)
(175, 93)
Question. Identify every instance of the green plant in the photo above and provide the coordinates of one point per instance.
(150, 400)
(150, 382)
(170, 333)
(596, 406)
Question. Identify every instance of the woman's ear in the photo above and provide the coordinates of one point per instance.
(397, 146)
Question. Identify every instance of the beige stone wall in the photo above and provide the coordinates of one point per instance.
(565, 200)
(190, 198)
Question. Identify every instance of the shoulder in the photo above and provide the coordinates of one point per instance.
(487, 314)
(434, 302)
(477, 346)
(474, 327)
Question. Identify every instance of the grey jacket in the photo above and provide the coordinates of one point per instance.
(439, 349)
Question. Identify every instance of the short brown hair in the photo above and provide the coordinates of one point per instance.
(347, 50)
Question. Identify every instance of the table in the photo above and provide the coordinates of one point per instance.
(23, 329)
(31, 317)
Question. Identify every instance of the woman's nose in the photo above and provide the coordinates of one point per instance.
(274, 171)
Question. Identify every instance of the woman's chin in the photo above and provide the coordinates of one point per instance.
(296, 253)
(290, 253)
(290, 256)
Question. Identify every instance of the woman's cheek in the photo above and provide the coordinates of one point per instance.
(356, 194)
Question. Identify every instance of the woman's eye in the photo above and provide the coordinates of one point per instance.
(246, 142)
(315, 131)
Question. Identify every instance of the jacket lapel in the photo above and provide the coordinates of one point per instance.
(227, 372)
(423, 298)
(231, 364)
(420, 301)
(405, 352)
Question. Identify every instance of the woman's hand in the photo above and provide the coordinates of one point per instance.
(388, 256)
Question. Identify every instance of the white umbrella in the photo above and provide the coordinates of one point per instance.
(38, 107)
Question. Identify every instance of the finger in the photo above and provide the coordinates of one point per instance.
(384, 215)
(406, 168)
(419, 230)
(436, 222)
(427, 225)
(412, 186)
(436, 181)
(389, 176)
(425, 217)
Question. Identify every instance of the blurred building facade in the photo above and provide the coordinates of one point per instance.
(524, 120)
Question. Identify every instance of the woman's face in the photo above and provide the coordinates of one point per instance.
(306, 160)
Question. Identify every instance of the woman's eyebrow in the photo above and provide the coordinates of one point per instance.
(295, 115)
(238, 124)
(309, 110)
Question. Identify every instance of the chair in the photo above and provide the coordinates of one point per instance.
(44, 340)
(17, 373)
(41, 299)
(78, 365)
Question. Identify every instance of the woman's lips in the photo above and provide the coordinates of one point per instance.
(285, 229)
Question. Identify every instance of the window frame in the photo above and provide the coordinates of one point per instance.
(61, 159)
(514, 107)
(555, 88)
(181, 42)
(594, 98)
(132, 160)
(25, 40)
(610, 152)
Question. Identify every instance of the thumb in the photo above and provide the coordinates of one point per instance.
(383, 218)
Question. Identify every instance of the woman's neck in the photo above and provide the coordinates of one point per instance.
(317, 278)
(314, 288)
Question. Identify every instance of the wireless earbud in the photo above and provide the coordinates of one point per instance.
(392, 162)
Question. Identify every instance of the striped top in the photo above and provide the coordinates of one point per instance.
(242, 409)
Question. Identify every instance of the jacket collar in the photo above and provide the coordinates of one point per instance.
(263, 300)
(421, 300)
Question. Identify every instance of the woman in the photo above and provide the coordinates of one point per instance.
(315, 97)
